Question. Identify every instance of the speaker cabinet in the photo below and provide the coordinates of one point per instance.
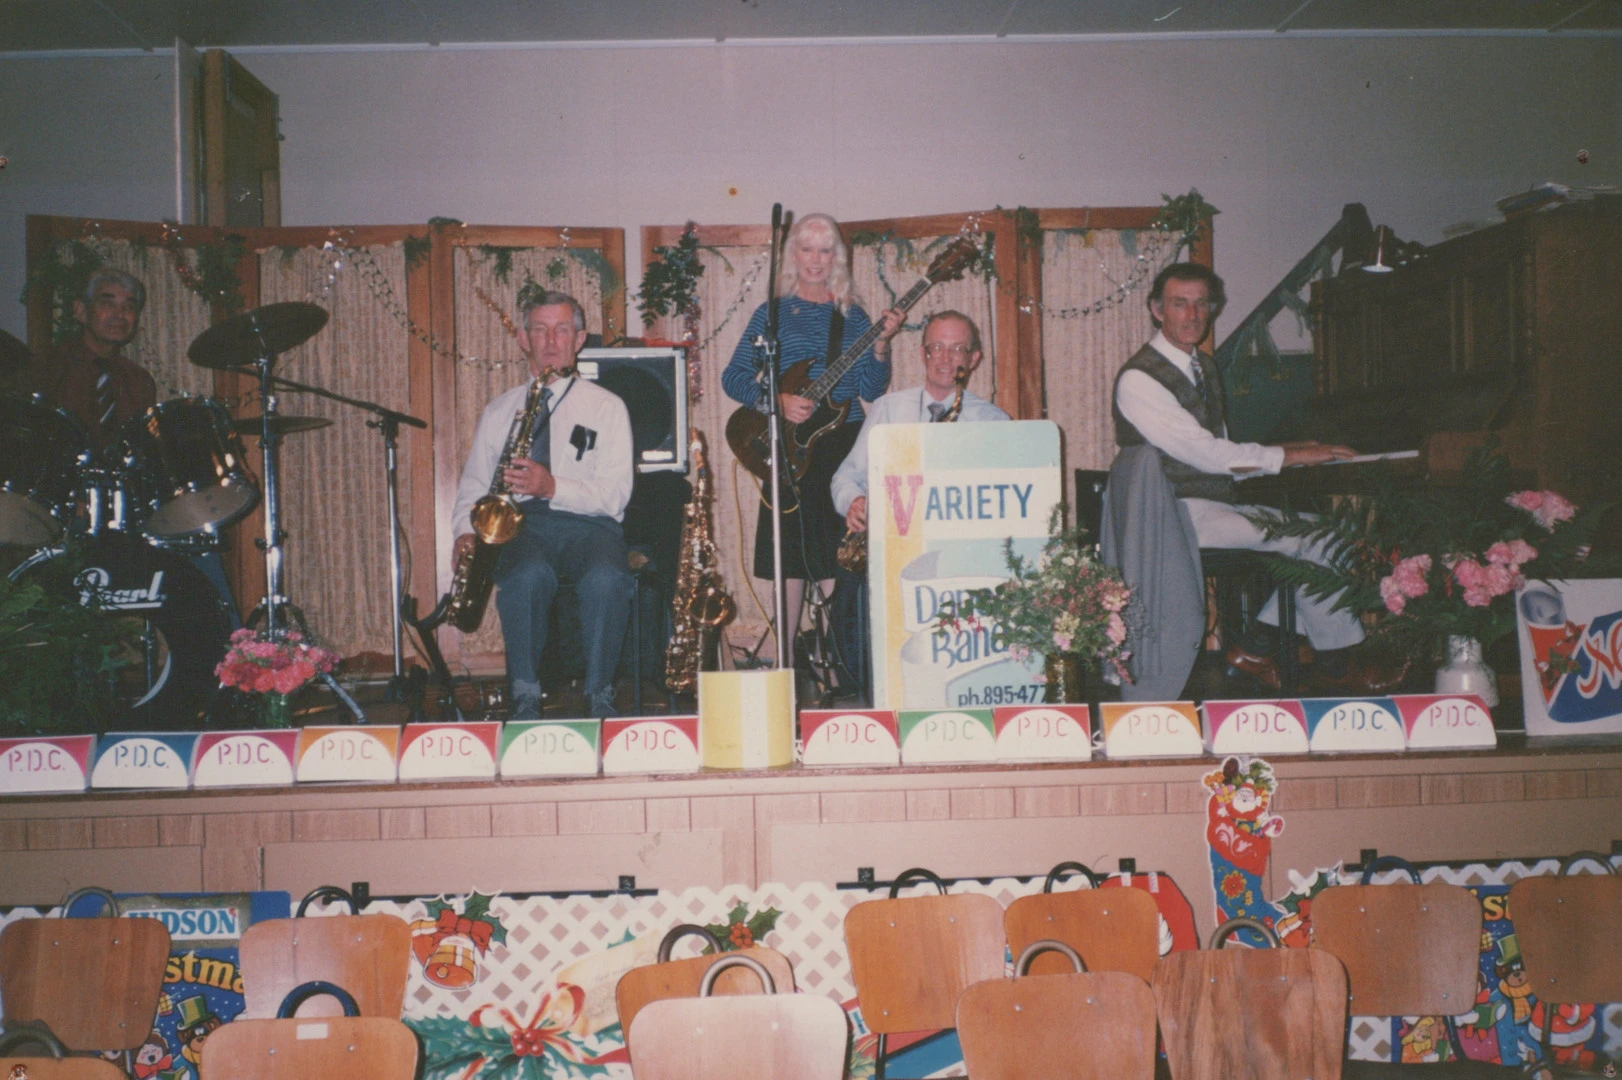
(653, 384)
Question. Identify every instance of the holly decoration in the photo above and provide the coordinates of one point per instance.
(743, 930)
(1189, 216)
(474, 920)
(670, 283)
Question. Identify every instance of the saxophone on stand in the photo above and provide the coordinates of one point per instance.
(700, 605)
(852, 554)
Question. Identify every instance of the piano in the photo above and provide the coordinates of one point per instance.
(1513, 332)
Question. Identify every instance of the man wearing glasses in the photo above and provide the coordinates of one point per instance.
(572, 490)
(951, 343)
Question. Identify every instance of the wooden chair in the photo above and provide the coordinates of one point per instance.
(1408, 950)
(367, 955)
(352, 1046)
(1570, 933)
(768, 1036)
(667, 978)
(912, 958)
(56, 1067)
(93, 982)
(1251, 1014)
(1112, 929)
(1077, 1026)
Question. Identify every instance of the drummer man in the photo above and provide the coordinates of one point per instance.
(89, 375)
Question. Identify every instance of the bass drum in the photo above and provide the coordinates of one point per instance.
(181, 627)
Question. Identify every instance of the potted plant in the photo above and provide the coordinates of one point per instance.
(59, 657)
(1065, 606)
(1439, 567)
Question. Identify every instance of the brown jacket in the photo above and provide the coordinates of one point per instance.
(67, 377)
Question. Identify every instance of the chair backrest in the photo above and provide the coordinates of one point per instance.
(95, 982)
(1080, 1025)
(750, 1037)
(1112, 929)
(911, 958)
(1570, 933)
(643, 985)
(354, 1047)
(367, 955)
(68, 1068)
(1268, 1014)
(1409, 950)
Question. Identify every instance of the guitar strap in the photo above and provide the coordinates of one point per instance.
(836, 337)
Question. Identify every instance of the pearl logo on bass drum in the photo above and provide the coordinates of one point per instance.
(93, 585)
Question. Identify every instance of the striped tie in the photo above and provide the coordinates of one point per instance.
(106, 399)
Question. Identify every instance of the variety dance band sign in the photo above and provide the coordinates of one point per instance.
(942, 501)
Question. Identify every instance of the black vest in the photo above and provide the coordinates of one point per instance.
(1186, 481)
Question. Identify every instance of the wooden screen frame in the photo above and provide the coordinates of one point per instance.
(430, 456)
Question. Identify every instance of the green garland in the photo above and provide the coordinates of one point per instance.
(60, 276)
(416, 250)
(670, 282)
(1189, 216)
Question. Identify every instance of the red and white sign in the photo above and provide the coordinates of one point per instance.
(650, 744)
(849, 737)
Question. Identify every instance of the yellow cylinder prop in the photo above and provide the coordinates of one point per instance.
(745, 719)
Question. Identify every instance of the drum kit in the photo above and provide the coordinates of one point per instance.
(160, 493)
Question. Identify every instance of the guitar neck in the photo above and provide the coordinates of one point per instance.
(836, 370)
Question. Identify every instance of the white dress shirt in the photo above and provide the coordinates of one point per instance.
(1169, 427)
(900, 407)
(594, 480)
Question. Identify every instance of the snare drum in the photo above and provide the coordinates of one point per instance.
(41, 452)
(186, 469)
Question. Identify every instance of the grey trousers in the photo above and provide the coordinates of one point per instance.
(553, 547)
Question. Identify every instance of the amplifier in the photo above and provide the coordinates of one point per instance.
(653, 384)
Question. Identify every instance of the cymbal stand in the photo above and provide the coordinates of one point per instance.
(403, 685)
(275, 602)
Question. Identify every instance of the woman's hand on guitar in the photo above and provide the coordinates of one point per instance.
(889, 325)
(796, 409)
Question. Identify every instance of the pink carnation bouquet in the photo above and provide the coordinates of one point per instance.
(260, 665)
(1442, 562)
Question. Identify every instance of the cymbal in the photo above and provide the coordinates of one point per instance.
(280, 425)
(14, 355)
(243, 339)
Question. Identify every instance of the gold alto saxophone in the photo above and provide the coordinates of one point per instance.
(852, 554)
(496, 520)
(700, 605)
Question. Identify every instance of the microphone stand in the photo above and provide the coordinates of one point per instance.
(768, 346)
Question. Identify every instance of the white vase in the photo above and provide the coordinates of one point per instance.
(1464, 673)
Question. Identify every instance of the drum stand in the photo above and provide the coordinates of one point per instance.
(276, 607)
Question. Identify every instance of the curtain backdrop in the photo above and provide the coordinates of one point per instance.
(333, 500)
(1081, 353)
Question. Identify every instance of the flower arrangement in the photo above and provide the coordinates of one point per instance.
(1440, 563)
(259, 665)
(1065, 602)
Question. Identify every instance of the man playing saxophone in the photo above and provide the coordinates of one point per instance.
(951, 342)
(571, 489)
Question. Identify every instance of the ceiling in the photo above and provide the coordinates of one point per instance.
(49, 25)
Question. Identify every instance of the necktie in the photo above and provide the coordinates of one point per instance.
(1199, 375)
(936, 411)
(540, 447)
(106, 399)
